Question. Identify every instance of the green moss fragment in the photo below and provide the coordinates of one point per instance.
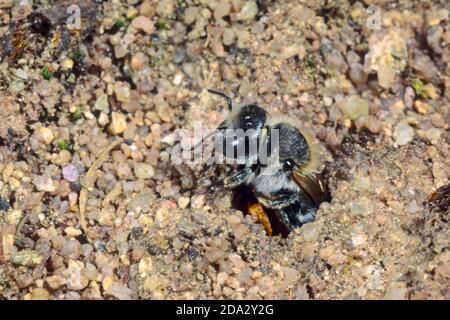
(119, 24)
(46, 73)
(76, 115)
(310, 67)
(418, 86)
(77, 56)
(161, 24)
(64, 145)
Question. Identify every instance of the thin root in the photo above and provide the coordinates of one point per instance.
(89, 183)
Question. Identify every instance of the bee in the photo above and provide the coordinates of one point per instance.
(288, 181)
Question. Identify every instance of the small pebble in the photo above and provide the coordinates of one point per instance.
(422, 107)
(403, 134)
(311, 231)
(120, 291)
(169, 139)
(120, 51)
(70, 173)
(147, 9)
(4, 205)
(354, 107)
(40, 294)
(433, 135)
(45, 135)
(198, 201)
(248, 11)
(183, 202)
(180, 55)
(56, 281)
(75, 279)
(143, 23)
(228, 36)
(73, 232)
(412, 207)
(118, 123)
(222, 10)
(14, 216)
(24, 280)
(154, 37)
(327, 101)
(144, 171)
(122, 91)
(72, 249)
(4, 4)
(138, 61)
(90, 272)
(67, 64)
(75, 187)
(16, 86)
(396, 291)
(22, 74)
(358, 75)
(27, 258)
(438, 120)
(155, 282)
(45, 184)
(102, 103)
(145, 266)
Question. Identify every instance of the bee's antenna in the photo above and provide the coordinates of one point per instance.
(223, 95)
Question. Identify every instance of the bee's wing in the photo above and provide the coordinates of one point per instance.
(313, 185)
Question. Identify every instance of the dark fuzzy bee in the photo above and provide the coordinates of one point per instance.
(288, 182)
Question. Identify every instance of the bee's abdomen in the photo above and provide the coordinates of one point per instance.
(300, 212)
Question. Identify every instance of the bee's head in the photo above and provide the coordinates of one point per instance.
(244, 124)
(248, 117)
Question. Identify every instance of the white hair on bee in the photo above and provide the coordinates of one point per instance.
(272, 179)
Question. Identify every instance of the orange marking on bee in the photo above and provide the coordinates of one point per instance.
(258, 210)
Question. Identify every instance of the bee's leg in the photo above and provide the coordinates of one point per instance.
(293, 217)
(281, 199)
(293, 209)
(301, 211)
(280, 213)
(238, 178)
(304, 216)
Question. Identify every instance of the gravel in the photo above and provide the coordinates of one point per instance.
(70, 173)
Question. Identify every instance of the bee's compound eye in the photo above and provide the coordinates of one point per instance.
(288, 165)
